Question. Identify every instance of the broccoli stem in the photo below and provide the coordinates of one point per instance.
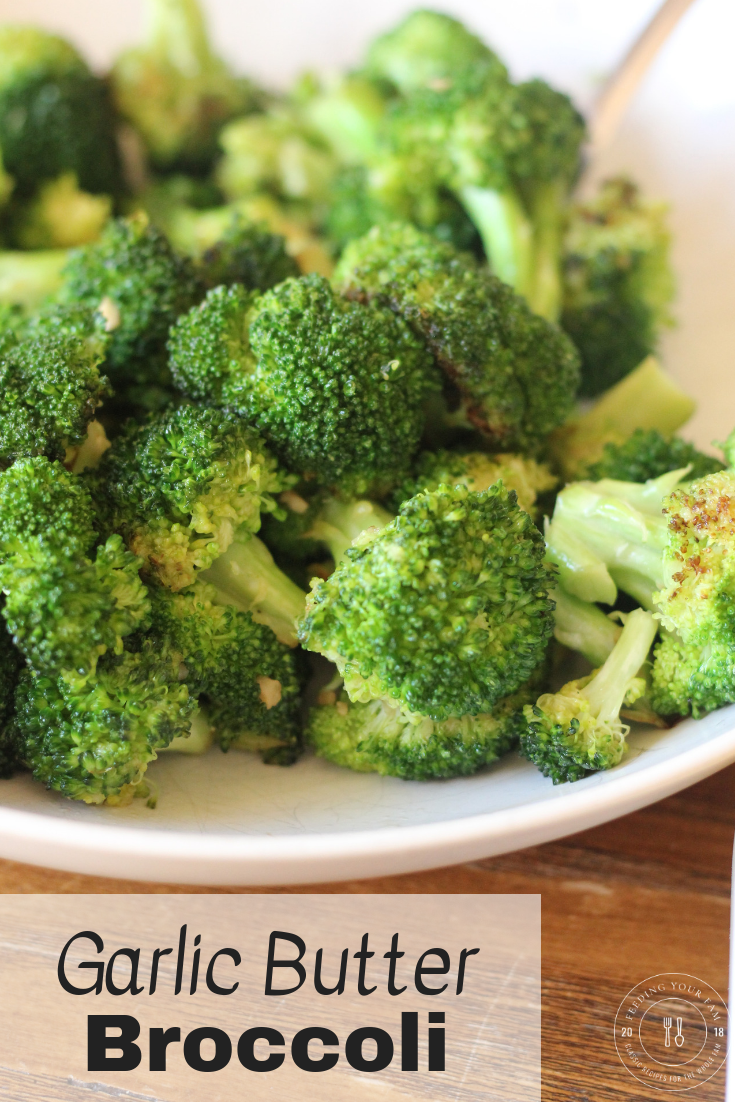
(584, 628)
(645, 399)
(547, 215)
(339, 523)
(27, 278)
(175, 29)
(247, 578)
(506, 234)
(608, 688)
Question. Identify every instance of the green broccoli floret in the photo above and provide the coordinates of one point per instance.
(10, 666)
(646, 399)
(50, 385)
(64, 605)
(140, 286)
(93, 741)
(578, 730)
(27, 279)
(248, 254)
(379, 737)
(55, 115)
(517, 373)
(618, 284)
(278, 153)
(61, 216)
(477, 472)
(647, 454)
(179, 485)
(248, 680)
(445, 610)
(175, 91)
(691, 679)
(336, 387)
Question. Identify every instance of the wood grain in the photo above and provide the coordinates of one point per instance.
(648, 893)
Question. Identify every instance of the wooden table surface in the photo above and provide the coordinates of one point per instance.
(649, 893)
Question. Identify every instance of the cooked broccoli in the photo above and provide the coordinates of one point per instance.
(336, 387)
(55, 115)
(517, 373)
(348, 112)
(379, 737)
(28, 278)
(50, 385)
(62, 216)
(132, 276)
(578, 730)
(10, 665)
(179, 485)
(248, 679)
(65, 604)
(93, 741)
(444, 611)
(646, 399)
(175, 91)
(583, 627)
(248, 254)
(509, 153)
(477, 472)
(647, 454)
(692, 679)
(618, 284)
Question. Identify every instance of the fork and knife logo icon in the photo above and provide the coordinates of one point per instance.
(679, 1037)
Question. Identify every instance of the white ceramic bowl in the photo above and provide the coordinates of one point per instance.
(231, 820)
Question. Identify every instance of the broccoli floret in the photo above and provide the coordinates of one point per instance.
(62, 216)
(445, 610)
(93, 741)
(248, 680)
(179, 486)
(27, 279)
(618, 284)
(140, 286)
(248, 254)
(379, 737)
(477, 472)
(278, 153)
(647, 454)
(690, 679)
(517, 373)
(578, 730)
(64, 605)
(10, 666)
(336, 387)
(50, 385)
(247, 578)
(646, 399)
(175, 91)
(55, 115)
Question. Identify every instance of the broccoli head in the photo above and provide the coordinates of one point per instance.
(55, 115)
(444, 611)
(93, 741)
(336, 387)
(249, 254)
(647, 454)
(477, 471)
(578, 730)
(50, 385)
(175, 91)
(691, 679)
(378, 736)
(618, 283)
(248, 680)
(62, 216)
(132, 276)
(516, 372)
(179, 485)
